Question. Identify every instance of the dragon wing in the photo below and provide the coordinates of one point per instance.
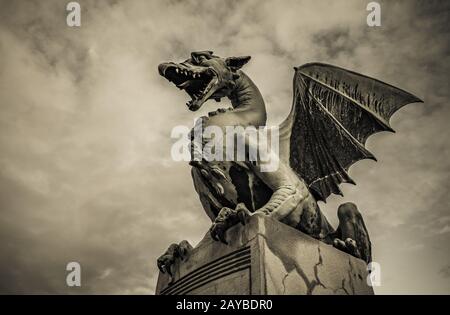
(334, 111)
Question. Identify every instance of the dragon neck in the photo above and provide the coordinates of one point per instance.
(248, 101)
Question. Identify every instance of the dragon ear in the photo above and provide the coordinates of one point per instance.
(236, 63)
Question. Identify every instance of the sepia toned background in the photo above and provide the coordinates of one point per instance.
(85, 121)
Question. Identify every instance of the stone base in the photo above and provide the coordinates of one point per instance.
(266, 257)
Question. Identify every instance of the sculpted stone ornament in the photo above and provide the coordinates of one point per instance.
(333, 113)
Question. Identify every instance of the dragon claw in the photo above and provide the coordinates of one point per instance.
(227, 218)
(175, 251)
(165, 262)
(242, 213)
(349, 246)
(217, 232)
(184, 250)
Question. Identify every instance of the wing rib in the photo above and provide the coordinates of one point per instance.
(385, 124)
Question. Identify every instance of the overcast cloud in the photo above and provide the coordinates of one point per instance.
(85, 122)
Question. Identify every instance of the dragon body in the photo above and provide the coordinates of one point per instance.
(334, 111)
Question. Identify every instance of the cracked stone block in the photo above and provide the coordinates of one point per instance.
(266, 257)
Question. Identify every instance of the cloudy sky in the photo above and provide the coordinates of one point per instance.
(85, 167)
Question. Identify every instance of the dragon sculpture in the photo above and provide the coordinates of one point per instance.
(333, 113)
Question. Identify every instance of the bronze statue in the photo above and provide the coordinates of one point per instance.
(333, 113)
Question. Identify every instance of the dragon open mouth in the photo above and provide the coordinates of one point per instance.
(198, 83)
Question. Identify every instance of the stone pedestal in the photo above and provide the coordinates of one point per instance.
(266, 257)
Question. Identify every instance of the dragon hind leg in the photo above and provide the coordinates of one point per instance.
(352, 236)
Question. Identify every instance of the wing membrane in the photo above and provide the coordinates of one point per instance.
(334, 111)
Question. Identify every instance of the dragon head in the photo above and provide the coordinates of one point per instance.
(204, 76)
